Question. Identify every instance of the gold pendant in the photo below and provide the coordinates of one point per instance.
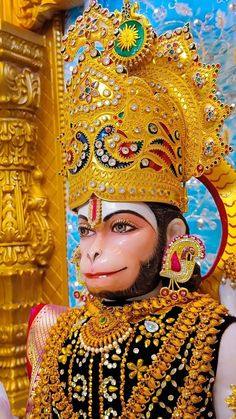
(104, 332)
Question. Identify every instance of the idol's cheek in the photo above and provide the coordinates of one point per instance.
(107, 253)
(116, 251)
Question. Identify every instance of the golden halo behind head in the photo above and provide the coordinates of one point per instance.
(142, 116)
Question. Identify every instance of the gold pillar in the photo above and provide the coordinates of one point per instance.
(26, 241)
(32, 195)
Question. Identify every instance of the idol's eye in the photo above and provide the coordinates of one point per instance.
(122, 226)
(85, 230)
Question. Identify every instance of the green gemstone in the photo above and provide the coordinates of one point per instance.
(151, 407)
(102, 320)
(136, 37)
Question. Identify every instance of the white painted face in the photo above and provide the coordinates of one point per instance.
(113, 250)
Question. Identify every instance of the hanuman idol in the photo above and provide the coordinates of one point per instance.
(142, 117)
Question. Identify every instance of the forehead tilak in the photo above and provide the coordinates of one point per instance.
(95, 211)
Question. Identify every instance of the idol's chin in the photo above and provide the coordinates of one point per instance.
(100, 287)
(118, 295)
(106, 294)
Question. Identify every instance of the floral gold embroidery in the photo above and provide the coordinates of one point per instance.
(137, 369)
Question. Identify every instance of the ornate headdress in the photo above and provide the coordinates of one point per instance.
(142, 115)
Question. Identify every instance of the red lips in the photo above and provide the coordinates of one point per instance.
(97, 274)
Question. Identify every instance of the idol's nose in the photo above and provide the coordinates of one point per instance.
(93, 254)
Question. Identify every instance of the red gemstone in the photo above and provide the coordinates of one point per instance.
(164, 292)
(70, 157)
(175, 263)
(77, 295)
(200, 168)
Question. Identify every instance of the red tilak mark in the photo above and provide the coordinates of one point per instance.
(94, 206)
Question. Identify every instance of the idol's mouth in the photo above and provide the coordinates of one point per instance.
(102, 274)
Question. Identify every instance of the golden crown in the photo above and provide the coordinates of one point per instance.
(142, 115)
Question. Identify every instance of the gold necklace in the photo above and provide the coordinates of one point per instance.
(100, 320)
(105, 331)
(108, 327)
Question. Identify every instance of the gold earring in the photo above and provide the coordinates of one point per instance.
(81, 293)
(76, 256)
(178, 263)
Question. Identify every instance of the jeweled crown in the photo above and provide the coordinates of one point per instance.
(142, 115)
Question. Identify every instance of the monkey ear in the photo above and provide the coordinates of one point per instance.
(175, 228)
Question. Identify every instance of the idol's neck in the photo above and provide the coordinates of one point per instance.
(120, 303)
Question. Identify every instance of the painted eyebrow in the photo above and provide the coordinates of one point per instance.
(83, 217)
(115, 213)
(124, 212)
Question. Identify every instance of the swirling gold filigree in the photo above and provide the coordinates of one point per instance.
(33, 13)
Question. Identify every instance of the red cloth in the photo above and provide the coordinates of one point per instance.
(33, 313)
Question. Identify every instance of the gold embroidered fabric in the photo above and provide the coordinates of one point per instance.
(162, 359)
(38, 335)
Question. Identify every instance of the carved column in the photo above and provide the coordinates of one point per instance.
(25, 238)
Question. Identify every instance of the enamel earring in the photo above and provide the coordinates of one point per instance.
(81, 294)
(179, 261)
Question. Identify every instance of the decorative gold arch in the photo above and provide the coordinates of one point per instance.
(32, 195)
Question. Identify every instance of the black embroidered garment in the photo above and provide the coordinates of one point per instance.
(150, 359)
